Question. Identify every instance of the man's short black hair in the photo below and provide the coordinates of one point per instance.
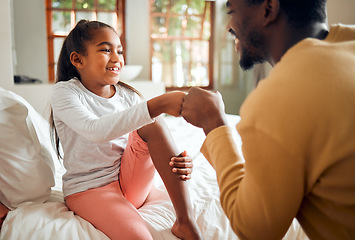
(300, 13)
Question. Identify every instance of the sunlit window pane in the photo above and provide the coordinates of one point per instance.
(84, 15)
(181, 51)
(160, 6)
(196, 7)
(193, 28)
(175, 26)
(199, 75)
(185, 26)
(206, 31)
(206, 25)
(61, 22)
(179, 6)
(180, 63)
(108, 18)
(181, 69)
(200, 52)
(158, 27)
(181, 74)
(161, 60)
(57, 45)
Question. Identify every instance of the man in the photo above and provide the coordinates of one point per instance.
(297, 126)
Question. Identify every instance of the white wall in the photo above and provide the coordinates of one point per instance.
(30, 39)
(6, 75)
(341, 11)
(36, 94)
(137, 35)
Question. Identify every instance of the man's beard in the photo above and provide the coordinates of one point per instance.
(249, 59)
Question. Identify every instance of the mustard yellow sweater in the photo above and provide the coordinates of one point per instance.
(298, 134)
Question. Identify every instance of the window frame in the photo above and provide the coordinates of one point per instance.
(181, 38)
(120, 14)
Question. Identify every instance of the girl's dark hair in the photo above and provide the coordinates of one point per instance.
(77, 40)
(300, 13)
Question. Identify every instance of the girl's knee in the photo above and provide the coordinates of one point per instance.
(153, 130)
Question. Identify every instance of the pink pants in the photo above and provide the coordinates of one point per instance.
(3, 212)
(113, 208)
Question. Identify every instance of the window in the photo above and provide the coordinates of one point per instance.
(181, 43)
(62, 16)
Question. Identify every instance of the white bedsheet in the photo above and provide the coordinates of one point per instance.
(52, 220)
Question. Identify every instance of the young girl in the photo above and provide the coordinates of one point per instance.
(112, 140)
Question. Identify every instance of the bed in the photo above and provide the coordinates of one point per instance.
(30, 183)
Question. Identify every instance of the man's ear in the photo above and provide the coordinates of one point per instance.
(271, 11)
(75, 59)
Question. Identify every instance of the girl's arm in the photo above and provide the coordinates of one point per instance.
(170, 103)
(73, 109)
(182, 165)
(68, 107)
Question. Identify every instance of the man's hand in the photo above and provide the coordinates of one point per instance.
(204, 109)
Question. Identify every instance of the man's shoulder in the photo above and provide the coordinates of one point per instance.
(341, 33)
(311, 49)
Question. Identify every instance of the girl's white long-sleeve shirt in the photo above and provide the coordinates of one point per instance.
(93, 132)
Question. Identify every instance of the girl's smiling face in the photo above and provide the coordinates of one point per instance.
(100, 66)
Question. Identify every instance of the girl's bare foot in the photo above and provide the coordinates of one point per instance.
(186, 230)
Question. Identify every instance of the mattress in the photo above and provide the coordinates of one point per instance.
(52, 219)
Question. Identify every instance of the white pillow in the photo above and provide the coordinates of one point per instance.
(26, 153)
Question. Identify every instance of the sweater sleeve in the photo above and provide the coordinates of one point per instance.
(69, 109)
(253, 193)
